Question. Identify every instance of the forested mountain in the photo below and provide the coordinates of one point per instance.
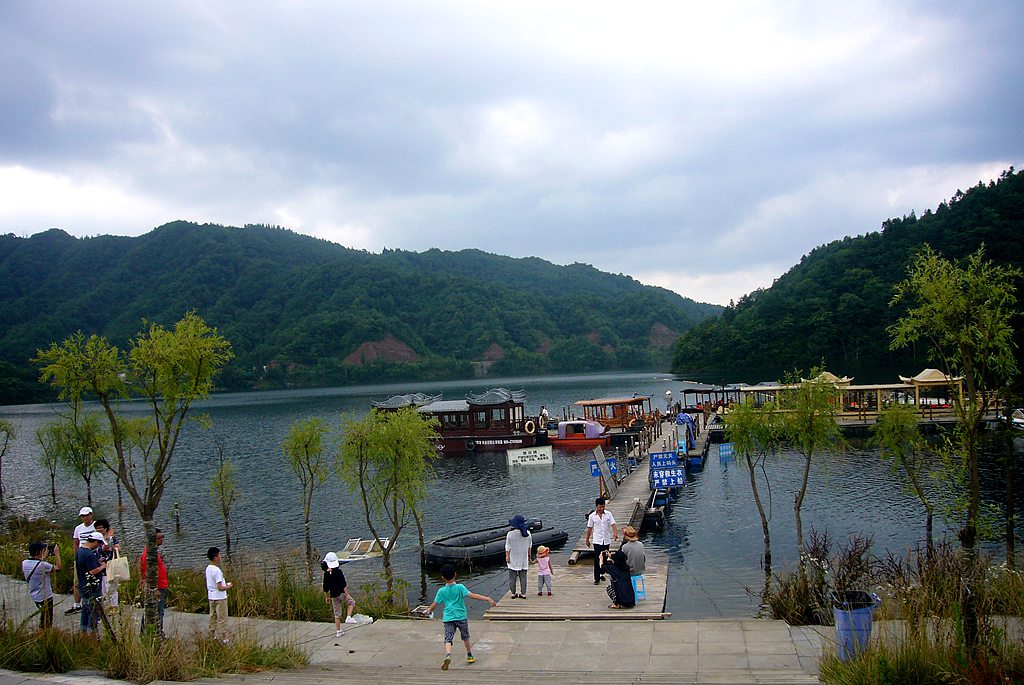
(303, 311)
(834, 305)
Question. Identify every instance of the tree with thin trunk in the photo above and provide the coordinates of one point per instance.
(304, 447)
(224, 491)
(755, 432)
(808, 412)
(964, 314)
(49, 438)
(7, 434)
(385, 459)
(82, 443)
(897, 433)
(168, 370)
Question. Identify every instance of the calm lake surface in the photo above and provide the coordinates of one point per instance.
(712, 537)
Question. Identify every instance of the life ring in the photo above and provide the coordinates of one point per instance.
(530, 427)
(470, 445)
(632, 422)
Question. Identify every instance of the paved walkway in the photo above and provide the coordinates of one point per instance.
(595, 652)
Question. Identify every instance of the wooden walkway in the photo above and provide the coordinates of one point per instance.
(575, 596)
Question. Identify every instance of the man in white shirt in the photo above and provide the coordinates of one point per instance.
(86, 526)
(601, 531)
(217, 592)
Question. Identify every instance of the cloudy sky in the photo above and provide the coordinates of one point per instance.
(700, 148)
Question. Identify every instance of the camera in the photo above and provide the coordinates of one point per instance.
(51, 547)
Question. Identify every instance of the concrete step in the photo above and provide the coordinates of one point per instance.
(463, 674)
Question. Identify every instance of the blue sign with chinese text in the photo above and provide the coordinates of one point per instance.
(667, 478)
(660, 460)
(594, 470)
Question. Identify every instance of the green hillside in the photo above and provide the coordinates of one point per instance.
(295, 308)
(834, 304)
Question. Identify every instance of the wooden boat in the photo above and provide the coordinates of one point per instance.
(579, 434)
(492, 421)
(486, 545)
(619, 413)
(357, 549)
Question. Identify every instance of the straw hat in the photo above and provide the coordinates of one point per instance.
(542, 551)
(629, 533)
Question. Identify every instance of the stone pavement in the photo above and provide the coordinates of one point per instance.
(738, 651)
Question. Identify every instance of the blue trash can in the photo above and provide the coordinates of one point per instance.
(852, 610)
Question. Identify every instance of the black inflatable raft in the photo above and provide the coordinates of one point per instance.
(485, 546)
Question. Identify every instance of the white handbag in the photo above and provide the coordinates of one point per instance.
(118, 568)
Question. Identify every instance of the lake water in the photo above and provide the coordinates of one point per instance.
(712, 536)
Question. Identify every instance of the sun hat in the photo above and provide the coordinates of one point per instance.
(92, 536)
(629, 533)
(517, 521)
(331, 559)
(542, 551)
(84, 510)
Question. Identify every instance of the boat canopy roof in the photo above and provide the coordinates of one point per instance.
(413, 399)
(433, 404)
(497, 396)
(591, 429)
(612, 401)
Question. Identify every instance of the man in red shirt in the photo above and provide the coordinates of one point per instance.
(161, 582)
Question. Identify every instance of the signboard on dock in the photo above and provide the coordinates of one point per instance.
(529, 456)
(661, 460)
(667, 478)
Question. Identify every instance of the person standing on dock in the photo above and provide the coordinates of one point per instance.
(601, 531)
(518, 543)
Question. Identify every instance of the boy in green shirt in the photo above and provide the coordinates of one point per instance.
(453, 596)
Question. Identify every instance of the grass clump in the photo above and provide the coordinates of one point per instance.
(137, 658)
(922, 593)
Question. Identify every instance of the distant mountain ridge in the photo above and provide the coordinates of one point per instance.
(305, 311)
(834, 305)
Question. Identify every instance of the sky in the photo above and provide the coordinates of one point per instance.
(702, 147)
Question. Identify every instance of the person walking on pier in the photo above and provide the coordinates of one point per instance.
(601, 531)
(518, 543)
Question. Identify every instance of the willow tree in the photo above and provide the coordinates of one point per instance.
(808, 413)
(7, 434)
(755, 432)
(897, 433)
(167, 370)
(48, 437)
(304, 448)
(224, 492)
(82, 440)
(963, 313)
(384, 458)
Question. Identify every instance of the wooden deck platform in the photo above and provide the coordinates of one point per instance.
(575, 596)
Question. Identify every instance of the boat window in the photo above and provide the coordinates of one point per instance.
(498, 417)
(480, 419)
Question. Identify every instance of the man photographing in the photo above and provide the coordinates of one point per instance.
(37, 570)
